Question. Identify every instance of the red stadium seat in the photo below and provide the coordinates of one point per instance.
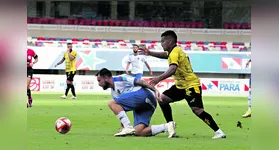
(146, 23)
(40, 21)
(111, 23)
(238, 26)
(76, 22)
(51, 21)
(244, 26)
(175, 24)
(199, 24)
(70, 21)
(105, 22)
(123, 23)
(153, 24)
(135, 23)
(249, 26)
(158, 23)
(194, 25)
(99, 22)
(129, 23)
(170, 24)
(117, 23)
(87, 22)
(57, 21)
(188, 24)
(164, 24)
(181, 24)
(81, 22)
(64, 21)
(93, 22)
(232, 26)
(34, 20)
(226, 25)
(29, 20)
(45, 21)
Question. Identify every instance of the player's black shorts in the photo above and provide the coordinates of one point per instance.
(29, 72)
(70, 75)
(192, 95)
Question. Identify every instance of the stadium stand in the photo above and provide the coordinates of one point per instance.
(131, 23)
(127, 44)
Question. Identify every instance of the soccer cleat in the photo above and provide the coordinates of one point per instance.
(63, 97)
(30, 101)
(126, 131)
(171, 129)
(247, 114)
(73, 97)
(219, 135)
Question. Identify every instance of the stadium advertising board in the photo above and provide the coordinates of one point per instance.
(86, 84)
(116, 59)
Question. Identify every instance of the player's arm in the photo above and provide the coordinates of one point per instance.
(162, 55)
(147, 65)
(248, 62)
(144, 84)
(60, 62)
(72, 56)
(128, 66)
(168, 73)
(35, 59)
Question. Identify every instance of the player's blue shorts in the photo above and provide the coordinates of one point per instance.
(250, 81)
(138, 75)
(142, 102)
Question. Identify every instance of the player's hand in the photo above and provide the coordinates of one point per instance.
(31, 64)
(150, 73)
(127, 72)
(55, 66)
(247, 64)
(154, 81)
(144, 51)
(158, 96)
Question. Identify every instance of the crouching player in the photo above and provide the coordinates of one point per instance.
(133, 94)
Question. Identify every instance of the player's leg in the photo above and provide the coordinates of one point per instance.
(171, 95)
(29, 78)
(68, 86)
(249, 112)
(120, 113)
(142, 120)
(194, 99)
(138, 75)
(71, 79)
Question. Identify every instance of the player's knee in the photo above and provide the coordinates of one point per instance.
(69, 82)
(197, 111)
(111, 103)
(165, 100)
(139, 133)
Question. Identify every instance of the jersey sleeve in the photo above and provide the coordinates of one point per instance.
(143, 59)
(173, 57)
(129, 59)
(74, 53)
(130, 79)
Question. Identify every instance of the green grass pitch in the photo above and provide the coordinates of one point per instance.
(94, 125)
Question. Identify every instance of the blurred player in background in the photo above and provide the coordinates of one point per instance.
(70, 58)
(249, 112)
(30, 55)
(137, 63)
(187, 84)
(132, 94)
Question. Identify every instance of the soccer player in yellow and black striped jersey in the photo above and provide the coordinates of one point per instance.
(70, 62)
(187, 84)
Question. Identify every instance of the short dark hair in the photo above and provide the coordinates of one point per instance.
(69, 43)
(104, 73)
(136, 45)
(171, 34)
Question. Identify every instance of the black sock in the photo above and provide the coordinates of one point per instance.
(29, 93)
(67, 89)
(207, 118)
(167, 112)
(73, 90)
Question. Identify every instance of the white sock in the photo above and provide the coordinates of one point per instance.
(219, 131)
(156, 129)
(249, 100)
(122, 116)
